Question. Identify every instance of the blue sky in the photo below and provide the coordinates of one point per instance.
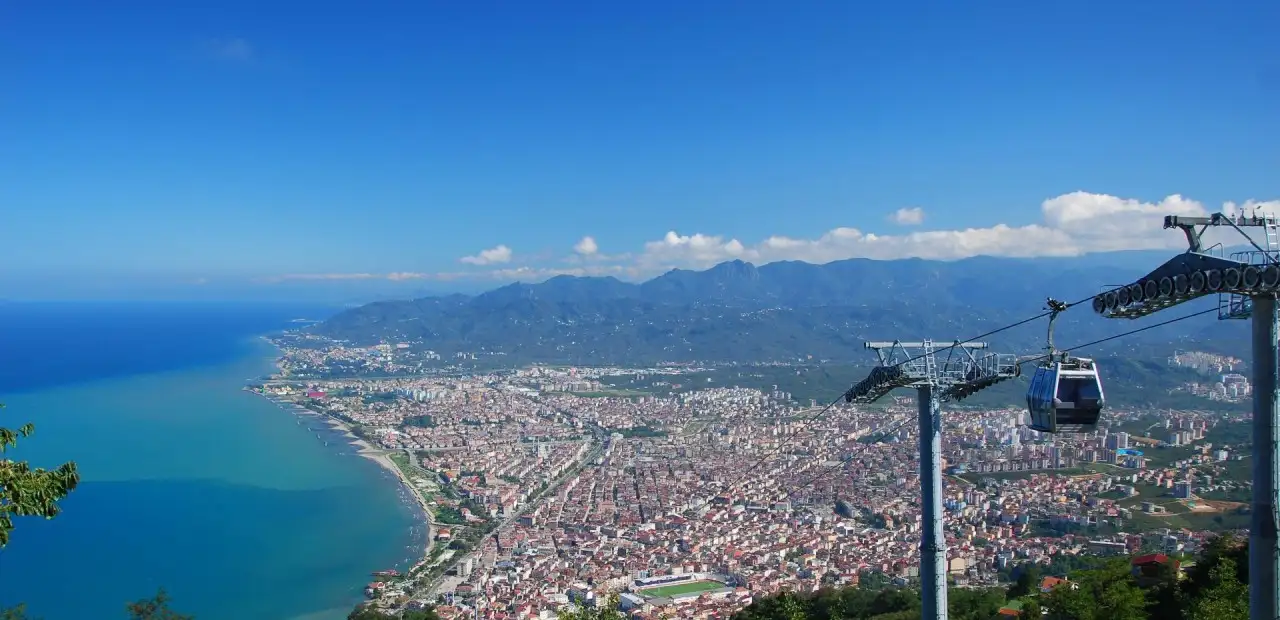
(247, 145)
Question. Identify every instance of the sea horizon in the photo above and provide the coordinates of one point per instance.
(237, 506)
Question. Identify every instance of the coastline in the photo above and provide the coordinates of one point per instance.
(381, 457)
(201, 445)
(363, 449)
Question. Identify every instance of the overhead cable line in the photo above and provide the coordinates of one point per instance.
(828, 470)
(749, 471)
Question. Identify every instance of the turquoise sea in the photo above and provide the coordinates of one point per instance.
(235, 506)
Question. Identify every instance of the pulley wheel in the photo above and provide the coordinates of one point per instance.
(1180, 284)
(1270, 277)
(1150, 290)
(1122, 296)
(1213, 280)
(1166, 287)
(1231, 278)
(1135, 293)
(1196, 283)
(1100, 303)
(1113, 299)
(1250, 277)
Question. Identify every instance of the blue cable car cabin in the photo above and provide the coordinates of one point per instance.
(1066, 397)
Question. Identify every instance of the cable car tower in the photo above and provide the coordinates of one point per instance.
(957, 375)
(1246, 285)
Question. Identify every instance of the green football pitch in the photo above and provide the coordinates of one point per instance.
(683, 588)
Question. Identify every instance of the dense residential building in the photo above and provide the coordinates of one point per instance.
(693, 503)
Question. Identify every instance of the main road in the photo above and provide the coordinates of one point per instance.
(446, 583)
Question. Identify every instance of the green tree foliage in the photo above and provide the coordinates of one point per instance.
(365, 612)
(420, 614)
(1217, 586)
(974, 604)
(1221, 549)
(1225, 598)
(793, 609)
(1164, 597)
(15, 613)
(857, 603)
(1214, 588)
(1027, 582)
(606, 610)
(1108, 593)
(154, 608)
(27, 492)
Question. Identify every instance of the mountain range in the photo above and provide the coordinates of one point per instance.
(784, 311)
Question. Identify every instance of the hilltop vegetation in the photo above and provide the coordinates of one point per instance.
(1214, 588)
(785, 311)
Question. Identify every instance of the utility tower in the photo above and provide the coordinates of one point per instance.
(935, 378)
(1246, 284)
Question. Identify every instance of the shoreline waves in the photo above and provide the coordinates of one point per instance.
(381, 457)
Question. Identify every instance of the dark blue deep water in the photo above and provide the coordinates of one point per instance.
(49, 344)
(236, 507)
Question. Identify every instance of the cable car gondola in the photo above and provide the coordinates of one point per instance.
(1066, 392)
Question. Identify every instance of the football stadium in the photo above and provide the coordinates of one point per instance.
(677, 587)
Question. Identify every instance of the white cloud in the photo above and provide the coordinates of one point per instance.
(586, 247)
(1072, 224)
(409, 275)
(537, 274)
(907, 216)
(1250, 207)
(676, 249)
(525, 273)
(499, 254)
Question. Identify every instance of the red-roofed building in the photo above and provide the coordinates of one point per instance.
(1049, 583)
(1147, 568)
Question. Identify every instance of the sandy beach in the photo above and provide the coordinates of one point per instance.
(376, 455)
(380, 457)
(365, 449)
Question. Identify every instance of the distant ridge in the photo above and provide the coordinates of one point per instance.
(736, 311)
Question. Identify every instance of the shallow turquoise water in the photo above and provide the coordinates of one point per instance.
(222, 497)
